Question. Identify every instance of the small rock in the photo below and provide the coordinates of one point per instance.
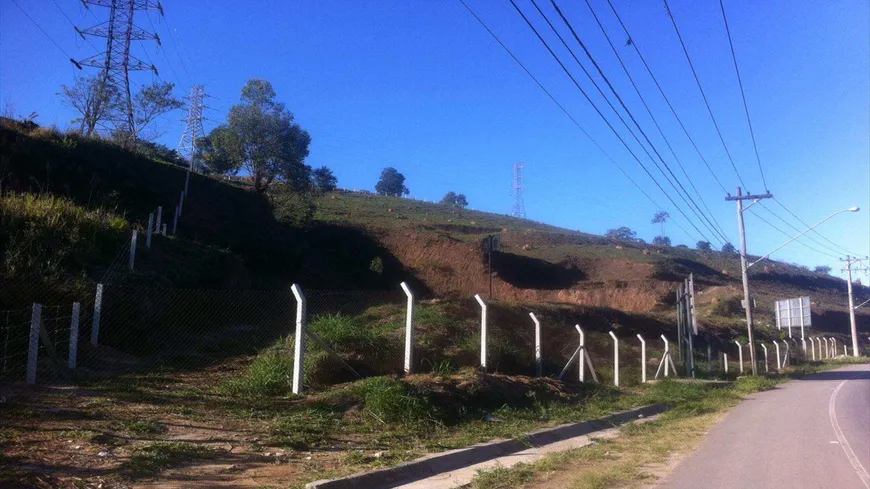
(378, 454)
(308, 457)
(103, 454)
(77, 447)
(268, 454)
(492, 419)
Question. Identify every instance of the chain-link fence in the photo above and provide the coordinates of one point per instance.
(249, 336)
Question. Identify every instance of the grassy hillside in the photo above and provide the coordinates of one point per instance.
(229, 237)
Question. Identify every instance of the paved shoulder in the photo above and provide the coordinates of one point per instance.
(809, 433)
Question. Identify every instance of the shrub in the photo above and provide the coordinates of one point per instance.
(271, 374)
(391, 401)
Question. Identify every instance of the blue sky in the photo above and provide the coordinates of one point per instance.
(423, 87)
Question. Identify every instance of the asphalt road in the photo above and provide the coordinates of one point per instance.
(809, 433)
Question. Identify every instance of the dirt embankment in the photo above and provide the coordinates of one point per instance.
(450, 267)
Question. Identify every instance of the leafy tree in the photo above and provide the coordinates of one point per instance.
(729, 248)
(661, 217)
(704, 246)
(151, 102)
(622, 233)
(455, 200)
(324, 180)
(93, 99)
(160, 152)
(822, 269)
(391, 183)
(261, 138)
(662, 241)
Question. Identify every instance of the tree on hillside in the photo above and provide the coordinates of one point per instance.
(261, 138)
(391, 183)
(704, 246)
(661, 217)
(150, 103)
(455, 200)
(729, 248)
(622, 233)
(160, 152)
(93, 99)
(324, 180)
(662, 241)
(822, 269)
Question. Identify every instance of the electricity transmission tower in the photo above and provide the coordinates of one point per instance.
(193, 126)
(116, 62)
(519, 206)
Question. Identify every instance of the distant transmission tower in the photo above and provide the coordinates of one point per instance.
(116, 62)
(519, 205)
(193, 126)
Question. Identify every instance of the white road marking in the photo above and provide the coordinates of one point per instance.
(850, 454)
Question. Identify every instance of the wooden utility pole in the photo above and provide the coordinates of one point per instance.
(849, 262)
(750, 329)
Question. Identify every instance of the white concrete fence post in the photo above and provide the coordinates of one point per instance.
(766, 367)
(615, 359)
(539, 363)
(159, 219)
(786, 361)
(163, 229)
(642, 359)
(845, 351)
(666, 359)
(833, 347)
(582, 354)
(33, 345)
(133, 240)
(778, 357)
(482, 331)
(825, 341)
(150, 229)
(812, 348)
(175, 222)
(739, 355)
(181, 203)
(299, 343)
(409, 329)
(98, 311)
(74, 336)
(725, 361)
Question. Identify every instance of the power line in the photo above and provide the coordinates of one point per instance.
(649, 111)
(815, 231)
(807, 236)
(565, 111)
(161, 49)
(609, 125)
(693, 206)
(743, 94)
(631, 42)
(73, 61)
(175, 46)
(703, 95)
(789, 235)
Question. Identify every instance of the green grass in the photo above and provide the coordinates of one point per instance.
(143, 427)
(270, 374)
(149, 459)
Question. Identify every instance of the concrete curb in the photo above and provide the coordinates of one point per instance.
(454, 459)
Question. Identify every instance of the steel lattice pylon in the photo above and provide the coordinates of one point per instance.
(116, 62)
(193, 126)
(519, 206)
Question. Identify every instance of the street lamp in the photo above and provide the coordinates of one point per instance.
(850, 209)
(744, 267)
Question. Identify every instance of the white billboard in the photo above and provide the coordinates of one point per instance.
(793, 313)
